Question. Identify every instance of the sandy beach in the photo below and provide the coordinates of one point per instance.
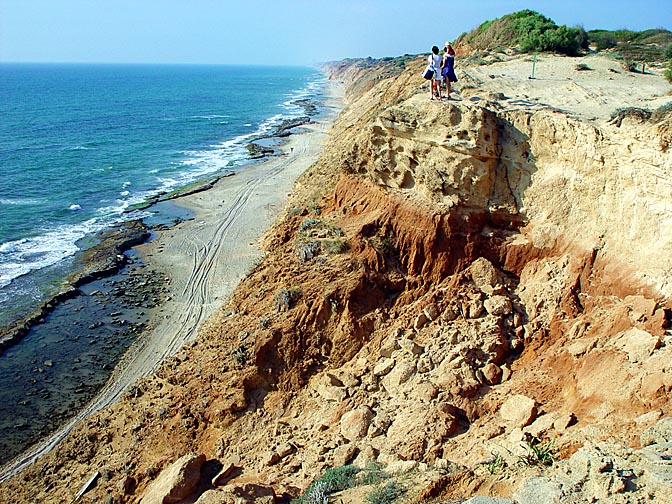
(204, 258)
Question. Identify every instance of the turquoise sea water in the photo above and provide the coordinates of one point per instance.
(80, 144)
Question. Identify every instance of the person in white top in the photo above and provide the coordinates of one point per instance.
(434, 61)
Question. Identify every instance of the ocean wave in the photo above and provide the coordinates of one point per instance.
(117, 209)
(20, 201)
(20, 257)
(77, 148)
(210, 117)
(232, 152)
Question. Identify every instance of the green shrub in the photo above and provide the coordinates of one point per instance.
(239, 356)
(625, 35)
(561, 39)
(667, 52)
(309, 223)
(333, 480)
(496, 464)
(335, 246)
(644, 47)
(529, 30)
(582, 38)
(373, 474)
(602, 39)
(385, 494)
(538, 453)
(668, 75)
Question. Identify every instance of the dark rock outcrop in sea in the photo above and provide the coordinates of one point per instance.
(101, 260)
(284, 129)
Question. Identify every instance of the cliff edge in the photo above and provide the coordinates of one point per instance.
(454, 286)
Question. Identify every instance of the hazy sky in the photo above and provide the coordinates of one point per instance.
(274, 31)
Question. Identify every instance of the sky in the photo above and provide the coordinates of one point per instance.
(274, 32)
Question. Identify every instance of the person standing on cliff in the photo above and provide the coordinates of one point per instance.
(448, 68)
(434, 61)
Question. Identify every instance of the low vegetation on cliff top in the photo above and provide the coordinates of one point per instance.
(531, 31)
(528, 30)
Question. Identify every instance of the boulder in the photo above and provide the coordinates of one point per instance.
(563, 421)
(541, 426)
(431, 311)
(658, 433)
(224, 475)
(492, 373)
(383, 367)
(242, 493)
(418, 429)
(420, 321)
(324, 385)
(401, 373)
(484, 275)
(344, 455)
(388, 348)
(518, 410)
(411, 346)
(639, 345)
(498, 305)
(176, 482)
(474, 308)
(537, 491)
(355, 423)
(655, 385)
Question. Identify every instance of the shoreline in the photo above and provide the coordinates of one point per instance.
(204, 258)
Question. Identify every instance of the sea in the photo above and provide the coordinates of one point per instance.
(82, 147)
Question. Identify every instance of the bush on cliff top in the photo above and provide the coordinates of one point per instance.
(647, 46)
(528, 30)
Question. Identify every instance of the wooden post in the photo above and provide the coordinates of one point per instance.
(534, 65)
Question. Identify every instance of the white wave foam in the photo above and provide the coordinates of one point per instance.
(74, 207)
(210, 117)
(22, 256)
(20, 201)
(231, 152)
(76, 148)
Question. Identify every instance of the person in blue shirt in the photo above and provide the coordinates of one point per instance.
(448, 67)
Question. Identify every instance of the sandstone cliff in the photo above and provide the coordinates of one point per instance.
(451, 282)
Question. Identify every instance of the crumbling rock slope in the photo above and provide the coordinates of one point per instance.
(451, 280)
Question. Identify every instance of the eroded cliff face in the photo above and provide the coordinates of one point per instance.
(449, 278)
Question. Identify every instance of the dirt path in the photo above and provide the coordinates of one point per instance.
(203, 260)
